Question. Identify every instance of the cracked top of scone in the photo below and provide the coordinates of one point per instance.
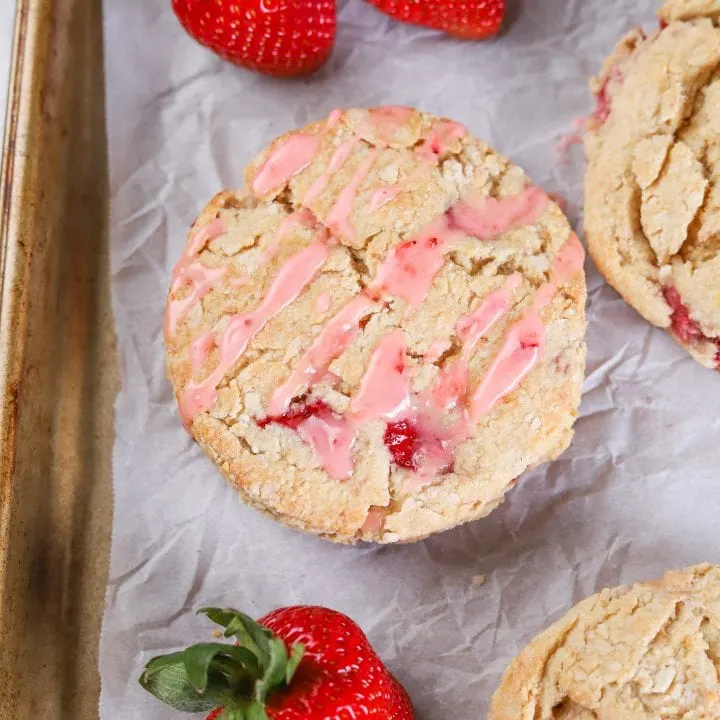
(646, 652)
(378, 334)
(652, 199)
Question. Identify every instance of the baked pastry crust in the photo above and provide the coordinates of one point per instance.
(393, 172)
(646, 652)
(652, 194)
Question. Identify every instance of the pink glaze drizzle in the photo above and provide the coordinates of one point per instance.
(436, 350)
(410, 267)
(200, 350)
(322, 304)
(286, 161)
(435, 145)
(386, 121)
(341, 154)
(382, 196)
(517, 357)
(334, 339)
(486, 218)
(439, 140)
(303, 216)
(200, 280)
(408, 273)
(334, 118)
(190, 272)
(568, 261)
(296, 274)
(452, 383)
(470, 328)
(331, 437)
(238, 282)
(525, 342)
(338, 219)
(383, 394)
(201, 238)
(384, 391)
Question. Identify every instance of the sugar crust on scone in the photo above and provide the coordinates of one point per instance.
(405, 171)
(646, 652)
(652, 191)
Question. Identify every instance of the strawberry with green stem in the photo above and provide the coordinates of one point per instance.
(298, 662)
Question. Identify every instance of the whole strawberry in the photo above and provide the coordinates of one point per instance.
(297, 663)
(467, 19)
(284, 38)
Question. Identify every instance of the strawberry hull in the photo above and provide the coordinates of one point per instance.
(297, 663)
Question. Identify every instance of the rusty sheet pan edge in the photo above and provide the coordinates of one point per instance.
(58, 373)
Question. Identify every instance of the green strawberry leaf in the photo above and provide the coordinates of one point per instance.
(239, 677)
(197, 660)
(245, 657)
(275, 672)
(256, 711)
(228, 714)
(218, 615)
(248, 712)
(235, 663)
(156, 664)
(166, 679)
(296, 655)
(249, 634)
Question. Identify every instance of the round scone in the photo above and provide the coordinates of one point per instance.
(652, 195)
(646, 652)
(380, 332)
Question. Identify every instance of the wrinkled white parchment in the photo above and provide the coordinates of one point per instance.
(637, 492)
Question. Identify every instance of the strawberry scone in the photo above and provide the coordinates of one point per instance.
(646, 652)
(652, 195)
(378, 334)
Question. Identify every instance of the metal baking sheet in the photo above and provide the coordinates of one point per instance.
(58, 373)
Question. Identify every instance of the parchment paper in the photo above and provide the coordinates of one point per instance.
(636, 493)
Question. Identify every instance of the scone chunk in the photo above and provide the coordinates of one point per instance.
(646, 652)
(381, 331)
(652, 193)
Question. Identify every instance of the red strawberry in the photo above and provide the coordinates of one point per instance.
(284, 38)
(296, 663)
(467, 19)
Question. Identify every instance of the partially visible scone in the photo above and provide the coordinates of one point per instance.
(382, 331)
(646, 652)
(652, 194)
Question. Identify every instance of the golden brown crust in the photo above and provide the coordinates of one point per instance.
(270, 467)
(646, 652)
